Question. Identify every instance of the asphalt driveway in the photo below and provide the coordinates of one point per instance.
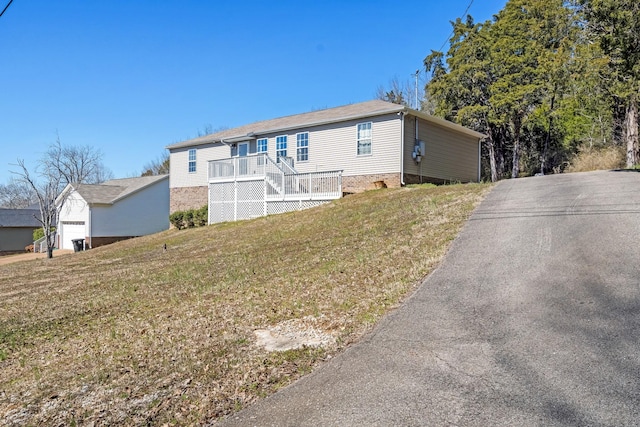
(533, 319)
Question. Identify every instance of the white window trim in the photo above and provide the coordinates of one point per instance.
(195, 161)
(266, 145)
(286, 140)
(370, 139)
(297, 147)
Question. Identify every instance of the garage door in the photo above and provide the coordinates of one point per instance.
(71, 230)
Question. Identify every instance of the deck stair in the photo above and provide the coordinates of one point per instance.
(257, 185)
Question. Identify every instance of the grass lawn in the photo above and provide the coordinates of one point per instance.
(131, 334)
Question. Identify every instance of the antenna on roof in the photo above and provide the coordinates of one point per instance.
(416, 101)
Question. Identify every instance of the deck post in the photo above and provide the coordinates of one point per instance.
(264, 197)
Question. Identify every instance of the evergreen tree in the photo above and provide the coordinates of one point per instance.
(616, 25)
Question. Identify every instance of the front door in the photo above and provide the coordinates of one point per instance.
(243, 151)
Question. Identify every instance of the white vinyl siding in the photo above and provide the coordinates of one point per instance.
(73, 220)
(364, 139)
(74, 209)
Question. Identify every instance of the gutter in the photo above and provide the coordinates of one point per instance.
(445, 123)
(256, 133)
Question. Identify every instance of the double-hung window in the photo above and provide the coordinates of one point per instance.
(192, 160)
(281, 146)
(262, 145)
(364, 139)
(302, 146)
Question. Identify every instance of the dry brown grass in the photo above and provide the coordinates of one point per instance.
(129, 334)
(593, 159)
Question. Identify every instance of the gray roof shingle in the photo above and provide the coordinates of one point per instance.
(19, 218)
(111, 191)
(313, 118)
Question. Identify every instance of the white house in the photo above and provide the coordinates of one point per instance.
(114, 210)
(298, 160)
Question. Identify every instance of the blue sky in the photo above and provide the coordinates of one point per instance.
(131, 77)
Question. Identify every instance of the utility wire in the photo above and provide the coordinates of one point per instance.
(463, 14)
(6, 7)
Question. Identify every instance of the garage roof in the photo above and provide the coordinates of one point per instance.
(111, 191)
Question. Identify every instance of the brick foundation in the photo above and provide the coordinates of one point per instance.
(360, 183)
(184, 198)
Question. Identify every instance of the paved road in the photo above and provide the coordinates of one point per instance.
(533, 319)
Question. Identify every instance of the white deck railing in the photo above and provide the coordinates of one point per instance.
(237, 167)
(282, 181)
(314, 185)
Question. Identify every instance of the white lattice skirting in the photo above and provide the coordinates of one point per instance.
(233, 201)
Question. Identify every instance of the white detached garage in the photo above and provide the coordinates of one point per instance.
(114, 210)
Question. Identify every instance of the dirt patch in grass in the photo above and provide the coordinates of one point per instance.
(131, 334)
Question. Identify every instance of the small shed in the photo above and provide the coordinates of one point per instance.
(16, 229)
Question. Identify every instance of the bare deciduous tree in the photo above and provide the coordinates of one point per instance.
(61, 165)
(46, 192)
(401, 93)
(16, 195)
(159, 166)
(75, 164)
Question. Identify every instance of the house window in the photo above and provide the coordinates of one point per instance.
(281, 146)
(364, 139)
(262, 145)
(302, 146)
(192, 160)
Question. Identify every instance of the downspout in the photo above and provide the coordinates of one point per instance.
(479, 157)
(401, 148)
(90, 229)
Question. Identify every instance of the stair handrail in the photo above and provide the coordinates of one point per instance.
(37, 244)
(287, 166)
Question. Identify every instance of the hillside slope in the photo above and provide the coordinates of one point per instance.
(132, 334)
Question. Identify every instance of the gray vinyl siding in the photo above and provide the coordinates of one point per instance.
(334, 147)
(179, 175)
(144, 212)
(450, 156)
(15, 239)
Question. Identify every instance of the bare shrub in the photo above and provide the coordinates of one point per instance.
(592, 159)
